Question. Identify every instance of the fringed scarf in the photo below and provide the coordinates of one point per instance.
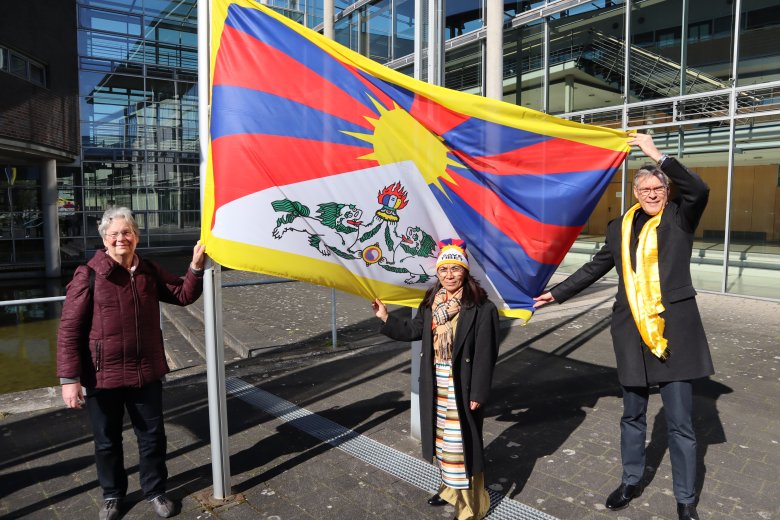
(444, 310)
(643, 287)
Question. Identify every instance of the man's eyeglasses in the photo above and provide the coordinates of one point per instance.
(657, 190)
(114, 236)
(455, 269)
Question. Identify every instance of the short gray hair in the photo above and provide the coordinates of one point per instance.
(651, 170)
(113, 213)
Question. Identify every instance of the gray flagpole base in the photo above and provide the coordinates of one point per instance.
(215, 380)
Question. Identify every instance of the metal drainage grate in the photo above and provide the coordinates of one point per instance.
(400, 465)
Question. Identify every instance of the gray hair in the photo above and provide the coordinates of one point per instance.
(650, 170)
(113, 213)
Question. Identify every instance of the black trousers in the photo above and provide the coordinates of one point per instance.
(106, 412)
(677, 399)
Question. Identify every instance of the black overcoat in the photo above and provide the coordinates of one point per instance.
(474, 353)
(689, 352)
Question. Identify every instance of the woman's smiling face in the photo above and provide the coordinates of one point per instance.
(451, 277)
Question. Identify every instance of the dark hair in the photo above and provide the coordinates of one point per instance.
(473, 293)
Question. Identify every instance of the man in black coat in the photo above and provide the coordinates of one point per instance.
(657, 332)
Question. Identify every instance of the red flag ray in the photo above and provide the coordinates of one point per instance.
(540, 241)
(547, 157)
(247, 163)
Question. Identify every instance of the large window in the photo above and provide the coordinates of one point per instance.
(22, 66)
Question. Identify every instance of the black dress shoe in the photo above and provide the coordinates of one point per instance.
(622, 496)
(687, 512)
(436, 500)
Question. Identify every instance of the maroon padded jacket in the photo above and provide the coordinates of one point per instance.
(121, 319)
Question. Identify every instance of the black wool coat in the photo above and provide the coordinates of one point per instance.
(474, 354)
(689, 351)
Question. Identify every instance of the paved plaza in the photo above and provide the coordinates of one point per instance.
(323, 433)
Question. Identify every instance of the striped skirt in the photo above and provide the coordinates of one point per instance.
(449, 439)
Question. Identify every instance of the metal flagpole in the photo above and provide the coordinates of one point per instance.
(329, 31)
(494, 50)
(212, 286)
(414, 410)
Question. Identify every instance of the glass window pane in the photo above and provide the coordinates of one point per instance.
(112, 98)
(346, 31)
(116, 5)
(404, 28)
(759, 53)
(37, 74)
(525, 66)
(655, 49)
(378, 30)
(18, 66)
(108, 21)
(754, 251)
(113, 47)
(462, 16)
(710, 45)
(111, 135)
(463, 68)
(170, 56)
(180, 12)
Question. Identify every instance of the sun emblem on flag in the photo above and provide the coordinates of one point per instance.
(400, 137)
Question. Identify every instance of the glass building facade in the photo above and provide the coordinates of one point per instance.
(703, 77)
(138, 109)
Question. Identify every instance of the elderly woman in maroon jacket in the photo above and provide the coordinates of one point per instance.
(110, 355)
(458, 326)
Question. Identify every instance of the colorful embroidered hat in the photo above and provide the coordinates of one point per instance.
(452, 251)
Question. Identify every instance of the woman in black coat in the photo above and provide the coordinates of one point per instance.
(458, 326)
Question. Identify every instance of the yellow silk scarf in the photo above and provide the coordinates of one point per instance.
(643, 287)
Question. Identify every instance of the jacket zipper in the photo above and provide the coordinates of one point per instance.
(137, 331)
(98, 356)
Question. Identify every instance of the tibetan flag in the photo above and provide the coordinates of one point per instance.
(327, 167)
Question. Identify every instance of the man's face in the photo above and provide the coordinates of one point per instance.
(651, 194)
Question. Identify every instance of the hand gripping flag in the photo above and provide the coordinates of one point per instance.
(327, 167)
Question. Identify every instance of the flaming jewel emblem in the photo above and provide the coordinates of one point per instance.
(392, 198)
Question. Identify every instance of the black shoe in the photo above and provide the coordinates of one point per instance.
(110, 509)
(622, 496)
(687, 512)
(436, 500)
(163, 506)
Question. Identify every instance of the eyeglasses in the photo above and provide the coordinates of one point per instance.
(455, 269)
(124, 234)
(657, 190)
